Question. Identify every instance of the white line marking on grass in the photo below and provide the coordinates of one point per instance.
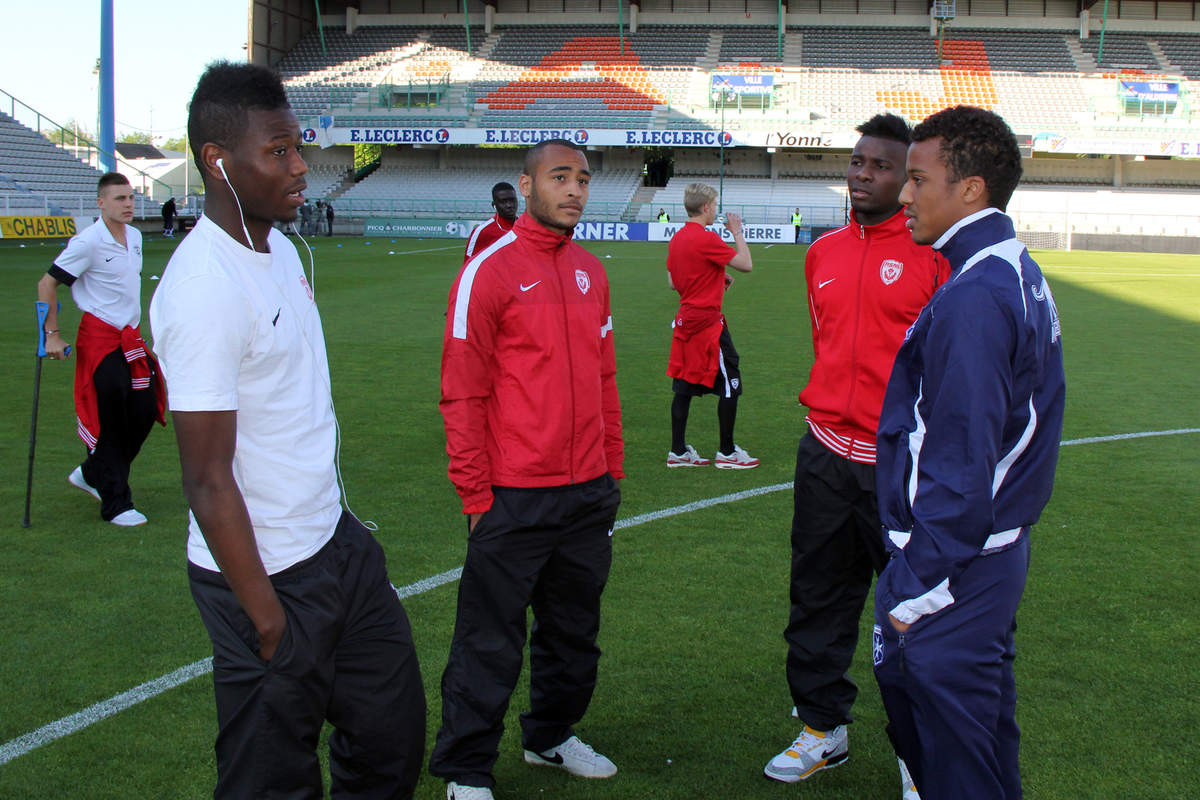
(82, 719)
(429, 584)
(1116, 437)
(428, 250)
(651, 516)
(107, 708)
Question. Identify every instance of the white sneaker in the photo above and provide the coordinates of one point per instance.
(76, 480)
(907, 787)
(457, 792)
(811, 752)
(738, 459)
(129, 519)
(689, 458)
(576, 758)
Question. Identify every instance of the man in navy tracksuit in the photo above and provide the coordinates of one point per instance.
(967, 445)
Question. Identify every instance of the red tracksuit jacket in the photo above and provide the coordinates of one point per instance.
(484, 234)
(866, 286)
(529, 387)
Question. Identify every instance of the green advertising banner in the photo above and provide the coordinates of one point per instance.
(422, 228)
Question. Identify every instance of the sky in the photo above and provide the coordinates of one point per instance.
(160, 49)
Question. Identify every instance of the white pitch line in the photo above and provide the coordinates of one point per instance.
(1116, 437)
(107, 708)
(429, 250)
(82, 719)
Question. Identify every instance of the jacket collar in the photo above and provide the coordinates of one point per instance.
(973, 233)
(538, 235)
(893, 224)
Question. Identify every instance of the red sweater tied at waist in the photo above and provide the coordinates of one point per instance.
(95, 341)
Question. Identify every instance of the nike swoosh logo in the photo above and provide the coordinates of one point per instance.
(277, 313)
(525, 288)
(109, 259)
(610, 530)
(823, 284)
(557, 757)
(829, 752)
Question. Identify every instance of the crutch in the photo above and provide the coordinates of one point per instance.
(42, 309)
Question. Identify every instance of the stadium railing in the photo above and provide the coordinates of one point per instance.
(64, 134)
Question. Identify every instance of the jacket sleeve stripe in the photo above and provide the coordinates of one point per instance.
(1019, 448)
(915, 440)
(606, 328)
(475, 237)
(462, 300)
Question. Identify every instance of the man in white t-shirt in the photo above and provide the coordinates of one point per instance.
(118, 390)
(293, 590)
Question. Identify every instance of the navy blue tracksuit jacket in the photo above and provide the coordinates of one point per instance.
(967, 446)
(971, 422)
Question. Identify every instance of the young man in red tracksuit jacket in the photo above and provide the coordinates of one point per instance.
(533, 431)
(867, 282)
(504, 200)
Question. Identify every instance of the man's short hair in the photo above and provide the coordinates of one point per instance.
(502, 186)
(976, 142)
(696, 196)
(534, 154)
(224, 95)
(111, 179)
(887, 126)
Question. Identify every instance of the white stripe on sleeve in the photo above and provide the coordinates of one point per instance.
(462, 300)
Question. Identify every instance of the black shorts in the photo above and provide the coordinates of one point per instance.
(728, 382)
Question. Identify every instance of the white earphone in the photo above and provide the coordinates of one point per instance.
(221, 166)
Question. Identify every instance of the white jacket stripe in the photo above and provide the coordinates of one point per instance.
(462, 300)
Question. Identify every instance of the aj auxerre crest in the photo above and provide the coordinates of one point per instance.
(889, 271)
(582, 281)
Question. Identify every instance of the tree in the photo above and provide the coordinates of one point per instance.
(67, 134)
(178, 144)
(135, 137)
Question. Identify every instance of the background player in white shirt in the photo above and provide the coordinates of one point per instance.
(118, 391)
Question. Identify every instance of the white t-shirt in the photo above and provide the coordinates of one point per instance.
(238, 330)
(108, 274)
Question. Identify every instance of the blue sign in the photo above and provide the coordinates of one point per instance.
(1151, 90)
(743, 84)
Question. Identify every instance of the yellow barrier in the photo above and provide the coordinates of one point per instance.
(36, 227)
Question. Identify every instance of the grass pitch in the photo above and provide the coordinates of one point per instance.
(692, 699)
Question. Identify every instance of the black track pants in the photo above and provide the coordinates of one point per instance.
(346, 656)
(549, 548)
(126, 417)
(837, 542)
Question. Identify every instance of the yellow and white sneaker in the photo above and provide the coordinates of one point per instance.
(908, 789)
(811, 752)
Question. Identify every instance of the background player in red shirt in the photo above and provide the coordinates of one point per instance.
(533, 431)
(867, 282)
(504, 200)
(703, 359)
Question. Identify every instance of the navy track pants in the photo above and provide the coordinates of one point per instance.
(947, 683)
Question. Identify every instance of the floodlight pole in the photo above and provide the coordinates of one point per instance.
(780, 37)
(1103, 28)
(621, 25)
(467, 22)
(721, 142)
(320, 27)
(107, 132)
